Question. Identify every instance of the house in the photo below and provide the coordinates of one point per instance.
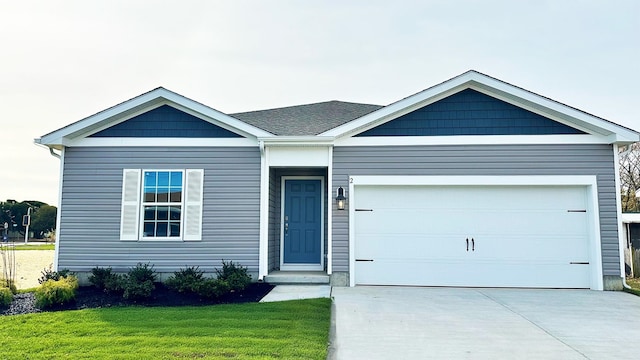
(471, 182)
(631, 236)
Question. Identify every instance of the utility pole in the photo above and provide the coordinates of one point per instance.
(26, 221)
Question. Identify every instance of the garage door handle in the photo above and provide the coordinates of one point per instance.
(364, 259)
(579, 263)
(467, 244)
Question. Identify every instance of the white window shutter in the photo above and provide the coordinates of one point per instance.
(193, 205)
(129, 221)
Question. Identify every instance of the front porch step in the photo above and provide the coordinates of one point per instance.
(297, 277)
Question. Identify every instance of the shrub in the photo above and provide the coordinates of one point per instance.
(9, 284)
(139, 282)
(138, 290)
(100, 276)
(213, 288)
(187, 280)
(115, 283)
(49, 274)
(235, 275)
(6, 296)
(56, 292)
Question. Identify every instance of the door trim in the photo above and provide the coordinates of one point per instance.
(302, 267)
(588, 181)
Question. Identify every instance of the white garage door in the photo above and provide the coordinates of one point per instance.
(486, 236)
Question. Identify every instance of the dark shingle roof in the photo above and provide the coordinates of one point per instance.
(310, 119)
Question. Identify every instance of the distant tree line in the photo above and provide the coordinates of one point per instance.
(43, 218)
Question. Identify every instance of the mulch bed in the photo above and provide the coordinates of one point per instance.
(88, 297)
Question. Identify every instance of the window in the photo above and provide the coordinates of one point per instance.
(161, 205)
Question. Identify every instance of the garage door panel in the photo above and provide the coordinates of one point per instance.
(522, 236)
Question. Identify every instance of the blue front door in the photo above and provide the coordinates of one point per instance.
(302, 222)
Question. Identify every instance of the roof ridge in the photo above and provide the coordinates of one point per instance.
(302, 105)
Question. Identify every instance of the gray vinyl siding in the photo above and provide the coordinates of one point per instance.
(91, 201)
(463, 160)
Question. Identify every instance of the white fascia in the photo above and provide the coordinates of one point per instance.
(498, 89)
(166, 142)
(141, 104)
(297, 140)
(470, 140)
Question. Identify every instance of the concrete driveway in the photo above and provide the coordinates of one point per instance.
(379, 322)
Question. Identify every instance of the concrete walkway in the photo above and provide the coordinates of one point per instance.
(454, 323)
(297, 292)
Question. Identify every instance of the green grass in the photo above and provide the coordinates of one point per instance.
(36, 247)
(634, 283)
(281, 330)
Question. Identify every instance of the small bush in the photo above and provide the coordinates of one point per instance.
(6, 296)
(235, 275)
(115, 283)
(139, 282)
(134, 290)
(213, 288)
(187, 280)
(9, 284)
(99, 277)
(49, 274)
(142, 272)
(56, 292)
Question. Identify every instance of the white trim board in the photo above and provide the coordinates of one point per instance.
(142, 103)
(588, 181)
(493, 87)
(472, 140)
(164, 142)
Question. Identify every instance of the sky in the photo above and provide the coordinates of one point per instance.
(61, 61)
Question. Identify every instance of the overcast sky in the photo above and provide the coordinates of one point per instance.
(62, 61)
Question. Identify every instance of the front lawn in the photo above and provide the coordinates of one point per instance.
(36, 247)
(283, 330)
(634, 283)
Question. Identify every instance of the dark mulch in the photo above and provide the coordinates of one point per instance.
(90, 297)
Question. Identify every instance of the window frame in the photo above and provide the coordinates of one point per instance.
(143, 203)
(132, 208)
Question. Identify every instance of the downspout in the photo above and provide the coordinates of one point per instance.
(54, 154)
(59, 212)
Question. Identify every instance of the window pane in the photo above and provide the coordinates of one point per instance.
(175, 228)
(175, 212)
(149, 228)
(176, 195)
(163, 213)
(149, 179)
(163, 178)
(161, 230)
(176, 179)
(149, 195)
(149, 213)
(162, 187)
(163, 194)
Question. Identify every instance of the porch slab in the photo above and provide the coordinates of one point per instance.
(297, 292)
(297, 277)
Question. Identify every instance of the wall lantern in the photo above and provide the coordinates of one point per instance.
(340, 199)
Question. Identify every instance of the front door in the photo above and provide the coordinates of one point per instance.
(302, 224)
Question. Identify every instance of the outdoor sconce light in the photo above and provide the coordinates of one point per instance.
(340, 199)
